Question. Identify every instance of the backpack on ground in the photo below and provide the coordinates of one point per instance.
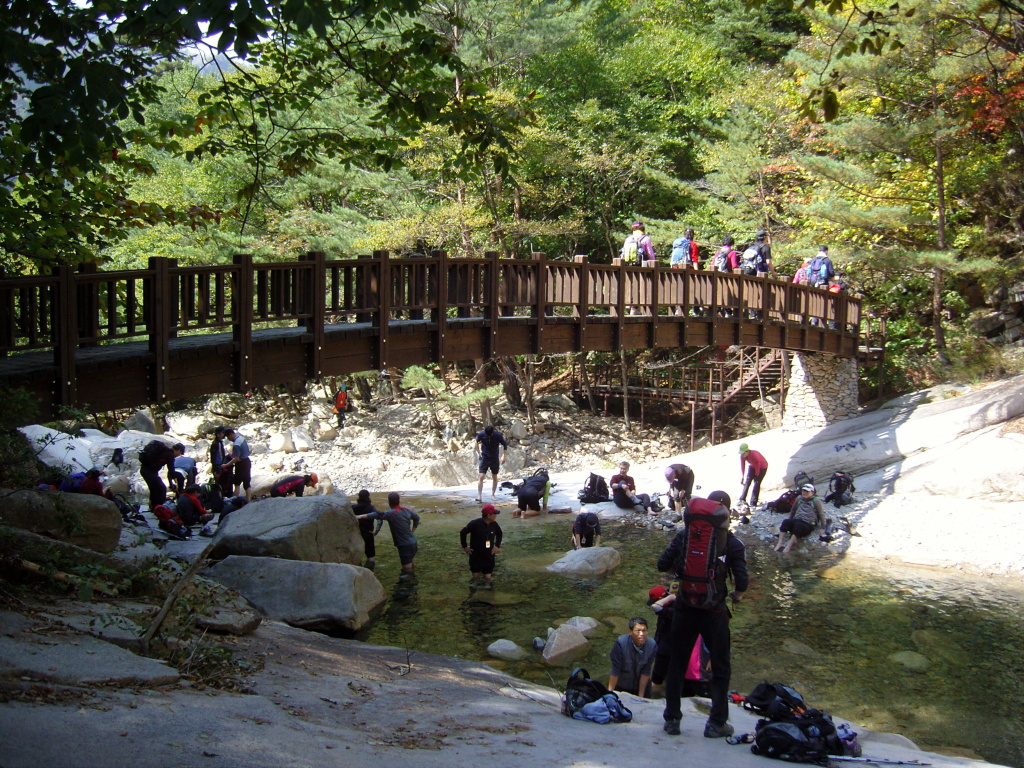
(680, 251)
(170, 522)
(595, 490)
(841, 482)
(707, 529)
(775, 700)
(608, 709)
(580, 690)
(800, 478)
(751, 261)
(784, 504)
(807, 738)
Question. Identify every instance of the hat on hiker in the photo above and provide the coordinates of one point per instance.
(489, 509)
(744, 448)
(808, 487)
(314, 478)
(656, 594)
(670, 473)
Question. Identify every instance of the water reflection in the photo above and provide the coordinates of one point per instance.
(934, 655)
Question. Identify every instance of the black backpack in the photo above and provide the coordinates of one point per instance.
(580, 690)
(784, 504)
(840, 486)
(775, 700)
(702, 554)
(594, 490)
(802, 477)
(807, 738)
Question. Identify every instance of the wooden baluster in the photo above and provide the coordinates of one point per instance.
(66, 311)
(241, 329)
(160, 308)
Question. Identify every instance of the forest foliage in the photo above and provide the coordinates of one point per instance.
(893, 132)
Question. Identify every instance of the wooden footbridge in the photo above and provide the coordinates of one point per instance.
(104, 340)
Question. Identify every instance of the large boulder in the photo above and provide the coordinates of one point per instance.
(58, 449)
(281, 442)
(142, 421)
(320, 529)
(565, 645)
(190, 423)
(507, 650)
(302, 440)
(87, 521)
(589, 561)
(230, 405)
(334, 598)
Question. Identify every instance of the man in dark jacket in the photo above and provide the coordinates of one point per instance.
(484, 542)
(154, 457)
(632, 657)
(711, 624)
(532, 496)
(294, 484)
(680, 485)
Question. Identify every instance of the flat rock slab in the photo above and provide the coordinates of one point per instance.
(85, 661)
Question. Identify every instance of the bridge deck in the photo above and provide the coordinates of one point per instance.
(115, 339)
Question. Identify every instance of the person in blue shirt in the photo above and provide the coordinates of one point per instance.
(403, 523)
(488, 448)
(241, 462)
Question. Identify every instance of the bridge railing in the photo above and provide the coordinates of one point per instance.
(89, 307)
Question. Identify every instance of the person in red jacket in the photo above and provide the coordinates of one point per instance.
(294, 484)
(753, 468)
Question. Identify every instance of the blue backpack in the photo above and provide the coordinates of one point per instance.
(680, 251)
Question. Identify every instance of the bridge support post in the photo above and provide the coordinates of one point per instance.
(160, 303)
(582, 308)
(384, 289)
(241, 330)
(315, 297)
(822, 390)
(67, 336)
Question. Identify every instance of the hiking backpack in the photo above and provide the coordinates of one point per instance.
(595, 490)
(341, 401)
(775, 700)
(784, 504)
(802, 477)
(680, 251)
(170, 522)
(580, 690)
(806, 738)
(720, 263)
(840, 487)
(702, 553)
(631, 251)
(751, 261)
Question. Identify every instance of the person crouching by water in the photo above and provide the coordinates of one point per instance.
(294, 484)
(586, 530)
(680, 485)
(403, 523)
(484, 542)
(632, 657)
(808, 512)
(712, 624)
(532, 496)
(361, 509)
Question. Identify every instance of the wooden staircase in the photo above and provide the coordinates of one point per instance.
(752, 372)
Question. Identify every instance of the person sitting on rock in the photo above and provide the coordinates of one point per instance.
(293, 484)
(632, 657)
(586, 530)
(533, 494)
(680, 485)
(624, 491)
(808, 512)
(190, 509)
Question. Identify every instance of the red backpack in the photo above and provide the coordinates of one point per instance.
(169, 520)
(341, 401)
(703, 554)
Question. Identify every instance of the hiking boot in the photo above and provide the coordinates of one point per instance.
(712, 731)
(671, 727)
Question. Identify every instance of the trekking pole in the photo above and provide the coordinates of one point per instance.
(876, 760)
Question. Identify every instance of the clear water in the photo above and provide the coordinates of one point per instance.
(829, 626)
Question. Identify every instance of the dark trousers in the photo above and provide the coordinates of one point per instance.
(713, 626)
(157, 489)
(753, 482)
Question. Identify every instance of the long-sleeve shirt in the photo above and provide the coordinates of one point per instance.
(809, 511)
(735, 564)
(482, 536)
(755, 460)
(630, 662)
(401, 521)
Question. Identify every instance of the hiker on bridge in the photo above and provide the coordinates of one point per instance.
(680, 485)
(753, 468)
(488, 449)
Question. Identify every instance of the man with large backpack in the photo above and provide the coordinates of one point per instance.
(702, 556)
(637, 250)
(756, 260)
(341, 404)
(821, 270)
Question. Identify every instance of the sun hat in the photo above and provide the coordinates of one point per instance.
(808, 487)
(744, 447)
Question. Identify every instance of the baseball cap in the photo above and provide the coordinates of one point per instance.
(744, 447)
(669, 473)
(807, 487)
(489, 509)
(656, 593)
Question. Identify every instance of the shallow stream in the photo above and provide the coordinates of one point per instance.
(933, 655)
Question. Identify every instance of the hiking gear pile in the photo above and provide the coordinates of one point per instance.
(790, 730)
(587, 699)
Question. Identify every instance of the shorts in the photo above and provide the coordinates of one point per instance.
(243, 473)
(483, 563)
(799, 528)
(407, 553)
(489, 464)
